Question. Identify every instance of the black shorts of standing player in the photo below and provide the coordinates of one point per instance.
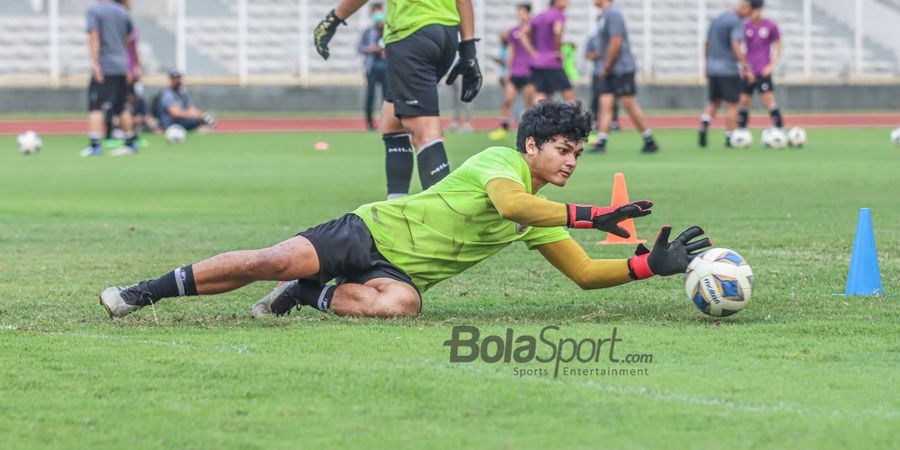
(726, 88)
(109, 95)
(548, 81)
(763, 84)
(347, 253)
(621, 85)
(415, 64)
(520, 82)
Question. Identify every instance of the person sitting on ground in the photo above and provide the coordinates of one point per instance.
(174, 106)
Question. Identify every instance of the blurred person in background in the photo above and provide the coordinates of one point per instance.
(371, 46)
(726, 66)
(543, 41)
(109, 32)
(618, 73)
(517, 79)
(763, 53)
(174, 106)
(593, 51)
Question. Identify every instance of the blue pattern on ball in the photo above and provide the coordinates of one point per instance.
(702, 304)
(730, 288)
(733, 257)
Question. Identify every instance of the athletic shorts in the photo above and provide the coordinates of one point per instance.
(111, 94)
(415, 65)
(347, 253)
(621, 85)
(520, 82)
(549, 81)
(763, 84)
(726, 88)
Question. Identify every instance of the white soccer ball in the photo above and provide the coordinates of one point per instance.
(719, 282)
(176, 134)
(796, 137)
(774, 138)
(741, 138)
(29, 143)
(895, 136)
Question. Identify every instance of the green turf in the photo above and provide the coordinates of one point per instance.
(799, 368)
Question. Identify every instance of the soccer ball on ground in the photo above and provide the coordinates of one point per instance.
(719, 282)
(29, 143)
(796, 137)
(774, 138)
(741, 138)
(895, 136)
(176, 134)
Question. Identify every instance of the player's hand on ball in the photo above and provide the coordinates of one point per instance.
(668, 258)
(607, 219)
(467, 66)
(325, 31)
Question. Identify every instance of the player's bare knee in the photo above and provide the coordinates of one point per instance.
(396, 303)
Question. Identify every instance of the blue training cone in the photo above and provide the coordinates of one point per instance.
(864, 277)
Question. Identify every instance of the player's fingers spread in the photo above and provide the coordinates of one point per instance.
(690, 234)
(697, 245)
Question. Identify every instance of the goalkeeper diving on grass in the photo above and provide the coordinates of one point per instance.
(379, 259)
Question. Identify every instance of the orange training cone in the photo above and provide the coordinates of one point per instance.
(620, 197)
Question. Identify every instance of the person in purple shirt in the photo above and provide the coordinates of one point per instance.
(543, 40)
(763, 53)
(517, 78)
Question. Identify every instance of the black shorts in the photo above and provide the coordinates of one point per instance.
(620, 85)
(763, 84)
(520, 82)
(415, 65)
(111, 94)
(549, 81)
(347, 253)
(726, 88)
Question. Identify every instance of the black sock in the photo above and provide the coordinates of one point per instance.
(177, 283)
(95, 141)
(743, 118)
(775, 113)
(433, 164)
(129, 138)
(398, 163)
(317, 297)
(704, 125)
(505, 125)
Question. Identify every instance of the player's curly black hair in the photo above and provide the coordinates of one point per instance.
(551, 118)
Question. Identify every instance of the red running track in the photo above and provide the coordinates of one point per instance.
(68, 126)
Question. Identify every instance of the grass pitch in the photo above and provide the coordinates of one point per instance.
(799, 368)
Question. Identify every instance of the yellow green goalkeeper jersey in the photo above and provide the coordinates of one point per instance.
(404, 17)
(453, 225)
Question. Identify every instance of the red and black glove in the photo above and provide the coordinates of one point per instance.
(607, 218)
(667, 258)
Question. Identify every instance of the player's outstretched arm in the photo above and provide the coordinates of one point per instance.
(514, 204)
(570, 259)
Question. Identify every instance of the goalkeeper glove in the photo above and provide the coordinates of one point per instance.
(606, 219)
(667, 258)
(324, 31)
(467, 66)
